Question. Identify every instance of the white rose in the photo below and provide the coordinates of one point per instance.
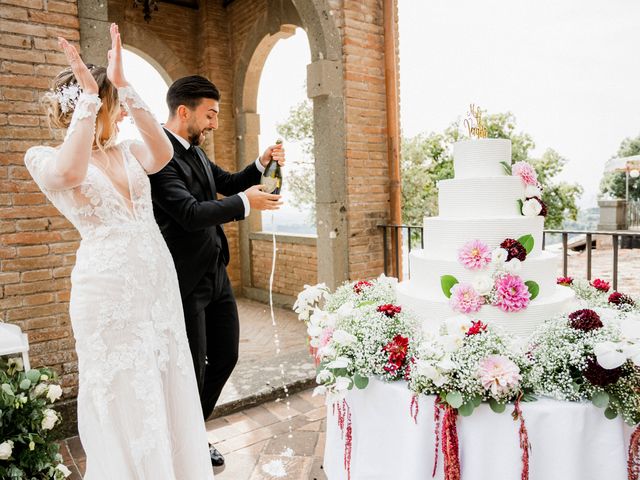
(345, 309)
(40, 389)
(427, 369)
(340, 362)
(343, 338)
(458, 325)
(513, 266)
(50, 419)
(324, 376)
(342, 383)
(531, 208)
(532, 191)
(54, 393)
(6, 448)
(483, 284)
(446, 364)
(498, 256)
(451, 343)
(65, 471)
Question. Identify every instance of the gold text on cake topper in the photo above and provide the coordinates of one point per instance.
(476, 126)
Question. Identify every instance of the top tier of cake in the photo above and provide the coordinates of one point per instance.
(481, 157)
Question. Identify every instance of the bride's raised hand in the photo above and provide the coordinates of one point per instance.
(115, 71)
(83, 76)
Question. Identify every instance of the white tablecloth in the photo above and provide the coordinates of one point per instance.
(569, 441)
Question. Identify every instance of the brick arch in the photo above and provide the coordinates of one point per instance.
(325, 87)
(155, 51)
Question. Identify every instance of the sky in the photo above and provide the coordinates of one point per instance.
(567, 70)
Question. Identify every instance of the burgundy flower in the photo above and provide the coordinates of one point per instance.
(397, 350)
(360, 285)
(476, 327)
(600, 376)
(389, 309)
(585, 320)
(601, 285)
(514, 249)
(543, 206)
(565, 281)
(617, 298)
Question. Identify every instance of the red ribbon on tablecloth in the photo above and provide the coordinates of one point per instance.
(524, 439)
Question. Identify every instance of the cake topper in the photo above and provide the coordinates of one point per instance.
(474, 122)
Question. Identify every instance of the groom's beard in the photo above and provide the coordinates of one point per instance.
(196, 136)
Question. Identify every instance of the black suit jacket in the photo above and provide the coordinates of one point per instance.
(189, 214)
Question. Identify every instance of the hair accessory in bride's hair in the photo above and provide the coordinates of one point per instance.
(67, 96)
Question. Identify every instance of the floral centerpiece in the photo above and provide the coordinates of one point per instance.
(496, 281)
(28, 449)
(598, 293)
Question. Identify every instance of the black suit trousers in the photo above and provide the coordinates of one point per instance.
(213, 330)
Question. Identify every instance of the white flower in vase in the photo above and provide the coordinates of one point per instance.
(342, 384)
(531, 208)
(346, 309)
(324, 376)
(50, 419)
(63, 469)
(54, 393)
(340, 362)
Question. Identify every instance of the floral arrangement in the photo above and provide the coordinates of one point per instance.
(358, 333)
(467, 364)
(532, 204)
(589, 356)
(597, 293)
(496, 282)
(28, 423)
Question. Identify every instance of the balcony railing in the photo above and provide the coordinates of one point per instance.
(415, 239)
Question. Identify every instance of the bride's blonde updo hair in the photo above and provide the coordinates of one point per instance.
(60, 117)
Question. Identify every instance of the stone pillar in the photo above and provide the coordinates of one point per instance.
(613, 216)
(94, 31)
(248, 129)
(324, 87)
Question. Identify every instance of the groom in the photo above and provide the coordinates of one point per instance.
(191, 216)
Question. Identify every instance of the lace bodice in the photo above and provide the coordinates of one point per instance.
(95, 206)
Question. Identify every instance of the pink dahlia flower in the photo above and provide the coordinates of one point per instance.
(499, 375)
(512, 294)
(526, 172)
(474, 255)
(465, 299)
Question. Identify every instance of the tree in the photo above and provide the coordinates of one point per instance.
(427, 159)
(301, 179)
(614, 184)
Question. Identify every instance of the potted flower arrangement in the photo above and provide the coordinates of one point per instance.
(28, 447)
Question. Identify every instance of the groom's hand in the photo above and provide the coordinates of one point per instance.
(276, 152)
(260, 200)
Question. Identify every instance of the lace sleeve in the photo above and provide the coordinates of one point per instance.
(87, 106)
(157, 149)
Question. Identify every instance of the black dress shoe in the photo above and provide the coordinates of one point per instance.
(217, 460)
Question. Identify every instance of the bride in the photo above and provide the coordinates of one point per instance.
(139, 414)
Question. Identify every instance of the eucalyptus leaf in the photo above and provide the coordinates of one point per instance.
(25, 384)
(534, 288)
(507, 168)
(529, 397)
(527, 242)
(33, 375)
(610, 413)
(477, 400)
(497, 406)
(6, 388)
(360, 382)
(466, 409)
(600, 399)
(447, 282)
(454, 399)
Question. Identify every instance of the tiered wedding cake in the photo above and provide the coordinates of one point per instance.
(482, 203)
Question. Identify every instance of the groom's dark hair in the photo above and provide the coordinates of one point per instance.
(189, 91)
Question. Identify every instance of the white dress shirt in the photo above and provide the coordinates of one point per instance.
(242, 195)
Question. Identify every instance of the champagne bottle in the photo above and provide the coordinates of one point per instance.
(272, 176)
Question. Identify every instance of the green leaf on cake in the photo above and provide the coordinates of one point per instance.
(507, 167)
(447, 282)
(520, 205)
(454, 399)
(534, 288)
(527, 242)
(360, 382)
(600, 399)
(497, 406)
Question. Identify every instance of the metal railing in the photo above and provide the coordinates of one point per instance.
(414, 237)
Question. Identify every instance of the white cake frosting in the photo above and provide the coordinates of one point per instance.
(481, 203)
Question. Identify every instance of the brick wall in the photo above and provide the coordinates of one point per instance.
(37, 245)
(296, 265)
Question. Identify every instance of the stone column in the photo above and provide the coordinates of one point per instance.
(324, 87)
(94, 31)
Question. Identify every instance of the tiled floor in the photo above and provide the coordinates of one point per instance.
(266, 442)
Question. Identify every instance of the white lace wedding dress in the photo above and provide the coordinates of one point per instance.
(139, 414)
